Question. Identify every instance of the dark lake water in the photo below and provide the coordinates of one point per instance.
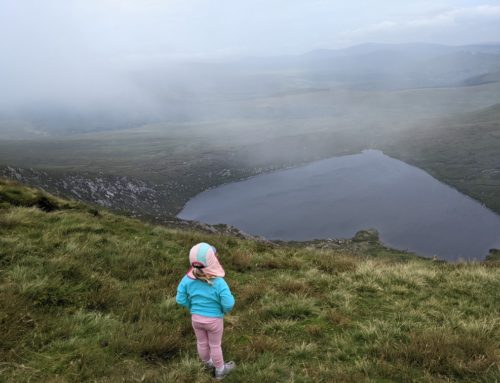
(336, 197)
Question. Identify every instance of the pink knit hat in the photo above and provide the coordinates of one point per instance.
(203, 256)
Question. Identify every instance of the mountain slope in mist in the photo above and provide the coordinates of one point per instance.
(172, 161)
(196, 91)
(463, 151)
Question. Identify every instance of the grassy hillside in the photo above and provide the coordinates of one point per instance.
(86, 295)
(462, 151)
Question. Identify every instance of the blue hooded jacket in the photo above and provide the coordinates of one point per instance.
(209, 300)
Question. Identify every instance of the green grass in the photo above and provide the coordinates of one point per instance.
(89, 296)
(461, 151)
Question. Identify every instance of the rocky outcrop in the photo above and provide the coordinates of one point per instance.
(135, 196)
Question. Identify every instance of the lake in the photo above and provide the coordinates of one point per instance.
(336, 197)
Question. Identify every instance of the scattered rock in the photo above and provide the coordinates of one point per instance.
(220, 228)
(369, 235)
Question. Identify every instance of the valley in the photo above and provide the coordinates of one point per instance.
(151, 169)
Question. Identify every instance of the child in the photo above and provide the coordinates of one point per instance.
(206, 294)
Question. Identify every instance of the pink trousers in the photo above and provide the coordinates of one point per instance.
(209, 338)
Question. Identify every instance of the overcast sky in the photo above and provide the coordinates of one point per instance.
(41, 41)
(207, 28)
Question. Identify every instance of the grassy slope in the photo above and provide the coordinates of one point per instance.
(89, 296)
(463, 152)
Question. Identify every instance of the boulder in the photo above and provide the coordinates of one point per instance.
(369, 235)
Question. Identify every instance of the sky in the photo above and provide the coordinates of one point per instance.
(41, 40)
(221, 28)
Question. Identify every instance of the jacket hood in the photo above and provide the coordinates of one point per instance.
(203, 256)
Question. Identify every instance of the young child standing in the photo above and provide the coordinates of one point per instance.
(206, 294)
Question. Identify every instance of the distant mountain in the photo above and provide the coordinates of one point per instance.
(401, 66)
(408, 48)
(482, 79)
(481, 48)
(361, 49)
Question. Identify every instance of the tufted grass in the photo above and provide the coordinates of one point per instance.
(90, 297)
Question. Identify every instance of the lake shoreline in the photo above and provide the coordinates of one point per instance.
(393, 183)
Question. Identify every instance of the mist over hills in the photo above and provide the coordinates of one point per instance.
(180, 92)
(176, 129)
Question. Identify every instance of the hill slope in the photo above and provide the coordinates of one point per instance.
(86, 295)
(462, 151)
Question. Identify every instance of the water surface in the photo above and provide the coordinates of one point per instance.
(336, 197)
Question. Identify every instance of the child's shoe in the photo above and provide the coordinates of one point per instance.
(228, 367)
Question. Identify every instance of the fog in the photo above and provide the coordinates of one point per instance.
(86, 65)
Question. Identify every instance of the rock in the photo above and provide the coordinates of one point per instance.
(369, 235)
(46, 205)
(494, 255)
